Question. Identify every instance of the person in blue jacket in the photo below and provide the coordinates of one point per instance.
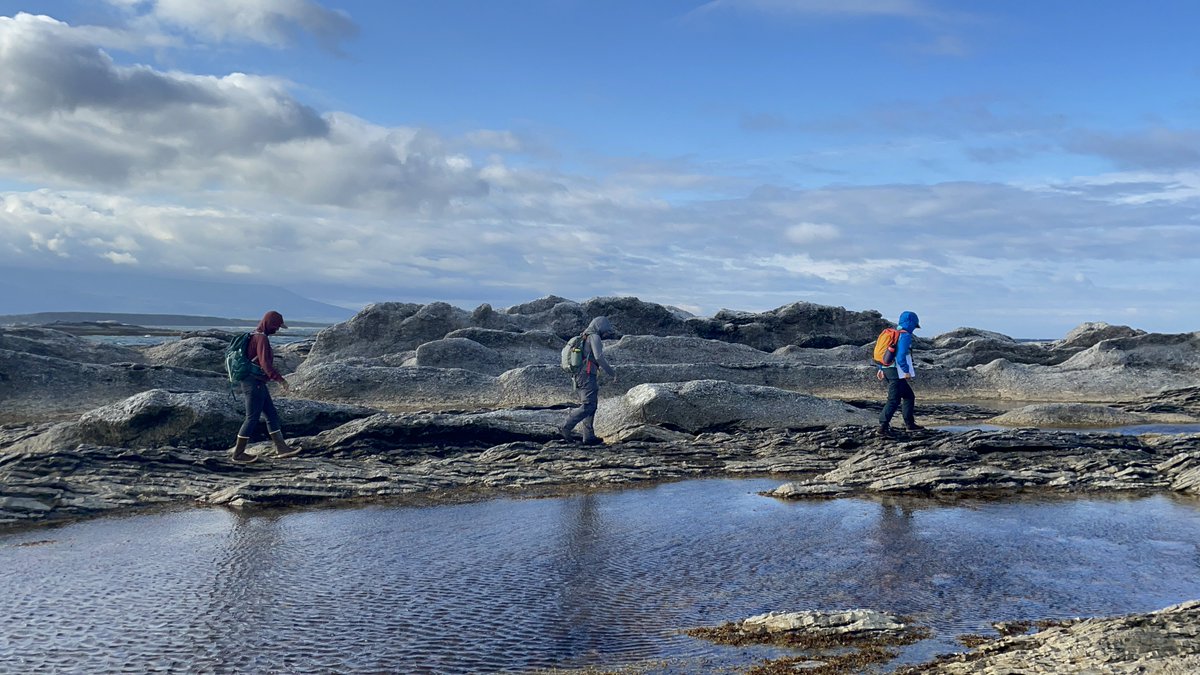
(898, 375)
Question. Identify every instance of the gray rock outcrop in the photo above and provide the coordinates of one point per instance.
(43, 387)
(60, 345)
(203, 419)
(1166, 641)
(715, 405)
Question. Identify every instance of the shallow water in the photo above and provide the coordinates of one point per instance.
(288, 336)
(601, 579)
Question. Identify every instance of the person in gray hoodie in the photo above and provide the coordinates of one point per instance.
(586, 382)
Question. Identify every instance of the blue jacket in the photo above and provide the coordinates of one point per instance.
(908, 323)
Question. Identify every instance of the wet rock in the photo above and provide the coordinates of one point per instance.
(706, 405)
(1165, 641)
(822, 623)
(833, 642)
(981, 461)
(386, 456)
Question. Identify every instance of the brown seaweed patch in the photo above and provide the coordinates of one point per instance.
(839, 664)
(973, 640)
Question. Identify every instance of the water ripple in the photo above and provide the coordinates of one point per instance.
(514, 586)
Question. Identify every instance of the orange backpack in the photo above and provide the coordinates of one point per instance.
(885, 346)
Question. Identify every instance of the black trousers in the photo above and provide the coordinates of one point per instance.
(589, 400)
(258, 402)
(900, 396)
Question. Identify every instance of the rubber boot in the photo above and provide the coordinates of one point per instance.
(239, 454)
(282, 449)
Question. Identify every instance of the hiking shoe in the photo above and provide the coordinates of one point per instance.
(885, 431)
(914, 427)
(593, 441)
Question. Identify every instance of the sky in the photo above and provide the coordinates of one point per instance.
(1021, 166)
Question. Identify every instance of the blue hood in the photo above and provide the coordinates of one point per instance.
(909, 321)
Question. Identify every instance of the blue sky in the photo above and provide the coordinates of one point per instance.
(1016, 166)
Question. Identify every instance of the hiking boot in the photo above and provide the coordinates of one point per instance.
(885, 431)
(914, 427)
(566, 434)
(282, 450)
(593, 440)
(239, 455)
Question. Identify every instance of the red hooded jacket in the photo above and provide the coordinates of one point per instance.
(258, 347)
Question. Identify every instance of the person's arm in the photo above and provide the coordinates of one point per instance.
(903, 347)
(264, 357)
(597, 346)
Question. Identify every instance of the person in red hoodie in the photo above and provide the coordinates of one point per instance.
(256, 394)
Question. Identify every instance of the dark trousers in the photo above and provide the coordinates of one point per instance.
(258, 402)
(589, 399)
(900, 396)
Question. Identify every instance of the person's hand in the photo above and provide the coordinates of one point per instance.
(879, 375)
(284, 386)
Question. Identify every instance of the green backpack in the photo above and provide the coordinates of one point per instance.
(237, 364)
(572, 354)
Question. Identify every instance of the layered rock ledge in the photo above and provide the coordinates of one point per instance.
(1166, 642)
(436, 456)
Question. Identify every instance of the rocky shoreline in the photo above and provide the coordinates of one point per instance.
(427, 403)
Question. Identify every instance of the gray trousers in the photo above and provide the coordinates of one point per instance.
(589, 399)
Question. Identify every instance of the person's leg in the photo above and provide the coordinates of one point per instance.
(252, 395)
(907, 400)
(589, 396)
(590, 404)
(275, 427)
(893, 400)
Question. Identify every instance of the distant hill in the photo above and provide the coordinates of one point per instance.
(37, 291)
(43, 318)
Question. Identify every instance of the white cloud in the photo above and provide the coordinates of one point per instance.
(120, 258)
(808, 233)
(70, 115)
(271, 22)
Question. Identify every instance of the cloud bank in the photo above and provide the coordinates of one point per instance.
(125, 165)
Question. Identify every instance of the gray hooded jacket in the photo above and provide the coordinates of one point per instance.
(595, 332)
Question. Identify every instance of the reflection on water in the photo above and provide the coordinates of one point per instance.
(602, 579)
